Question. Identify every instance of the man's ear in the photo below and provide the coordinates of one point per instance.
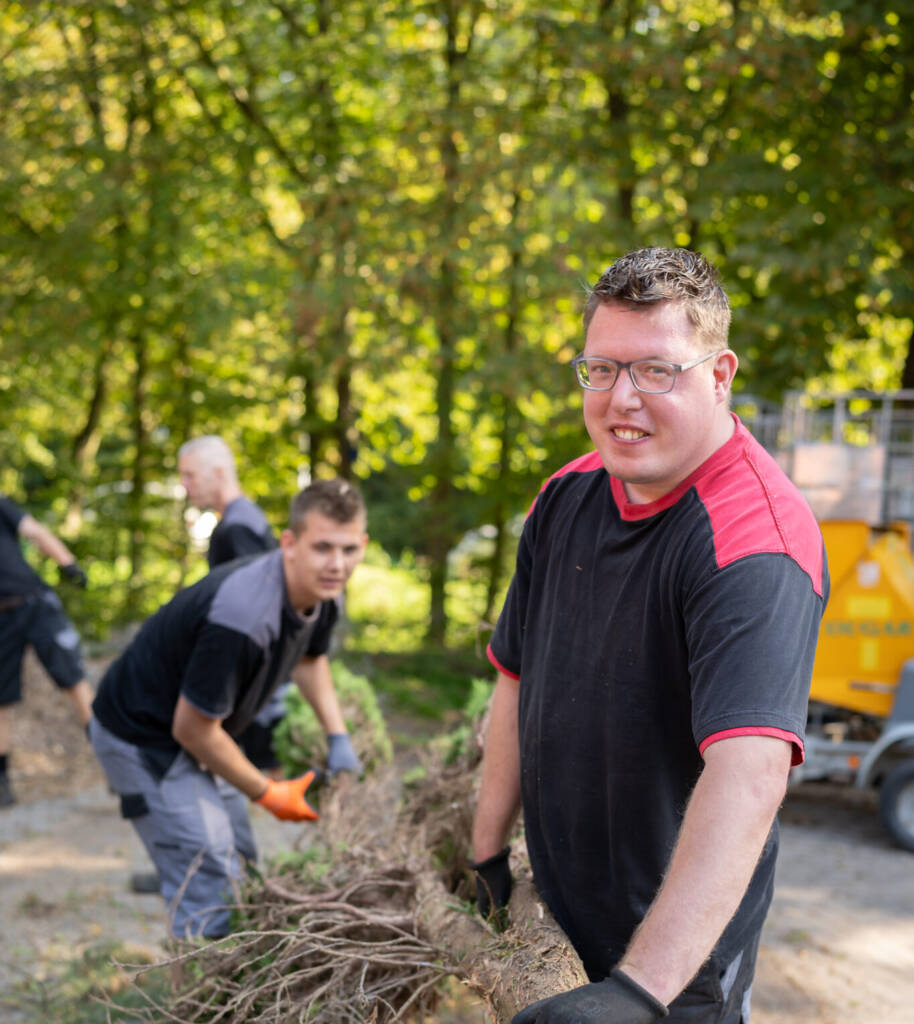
(287, 540)
(725, 367)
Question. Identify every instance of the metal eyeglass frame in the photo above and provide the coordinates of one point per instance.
(677, 368)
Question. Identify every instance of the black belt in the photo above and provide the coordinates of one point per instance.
(7, 604)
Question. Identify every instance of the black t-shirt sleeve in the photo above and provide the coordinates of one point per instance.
(234, 540)
(752, 630)
(10, 514)
(319, 641)
(507, 643)
(222, 661)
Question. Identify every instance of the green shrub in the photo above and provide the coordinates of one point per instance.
(299, 740)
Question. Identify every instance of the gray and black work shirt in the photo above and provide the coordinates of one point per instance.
(242, 530)
(223, 644)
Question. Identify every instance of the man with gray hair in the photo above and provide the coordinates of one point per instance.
(654, 655)
(209, 477)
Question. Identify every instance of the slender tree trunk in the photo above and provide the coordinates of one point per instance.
(184, 421)
(441, 529)
(508, 409)
(616, 112)
(907, 373)
(344, 421)
(135, 517)
(314, 441)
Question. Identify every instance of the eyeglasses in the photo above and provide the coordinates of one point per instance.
(652, 376)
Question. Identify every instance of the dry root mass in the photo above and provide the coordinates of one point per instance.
(370, 913)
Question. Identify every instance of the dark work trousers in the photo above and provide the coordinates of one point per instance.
(195, 828)
(38, 619)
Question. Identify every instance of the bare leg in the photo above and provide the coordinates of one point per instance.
(7, 796)
(81, 694)
(5, 716)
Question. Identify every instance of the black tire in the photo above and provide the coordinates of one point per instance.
(896, 804)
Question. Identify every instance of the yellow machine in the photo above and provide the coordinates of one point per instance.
(852, 456)
(868, 630)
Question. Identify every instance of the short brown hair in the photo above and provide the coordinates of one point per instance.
(649, 276)
(336, 499)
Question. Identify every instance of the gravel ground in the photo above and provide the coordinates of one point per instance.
(838, 947)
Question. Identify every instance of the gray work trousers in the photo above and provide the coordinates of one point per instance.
(195, 828)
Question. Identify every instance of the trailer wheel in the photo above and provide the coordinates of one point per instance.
(896, 804)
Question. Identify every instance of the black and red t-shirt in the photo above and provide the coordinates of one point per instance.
(641, 634)
(242, 530)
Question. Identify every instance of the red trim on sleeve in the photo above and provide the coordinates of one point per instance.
(799, 752)
(498, 664)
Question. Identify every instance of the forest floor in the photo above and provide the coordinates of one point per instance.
(838, 947)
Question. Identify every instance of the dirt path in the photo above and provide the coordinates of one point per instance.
(838, 946)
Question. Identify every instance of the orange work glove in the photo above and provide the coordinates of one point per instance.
(287, 801)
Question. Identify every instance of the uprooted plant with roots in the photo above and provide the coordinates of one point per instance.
(373, 908)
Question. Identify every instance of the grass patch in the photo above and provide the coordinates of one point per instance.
(425, 683)
(90, 988)
(387, 604)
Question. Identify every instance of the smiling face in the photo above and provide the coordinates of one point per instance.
(319, 560)
(653, 442)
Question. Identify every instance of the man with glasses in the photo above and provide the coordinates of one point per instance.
(654, 657)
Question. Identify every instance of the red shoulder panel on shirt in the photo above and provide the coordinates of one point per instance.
(754, 508)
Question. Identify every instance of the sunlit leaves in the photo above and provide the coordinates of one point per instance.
(339, 234)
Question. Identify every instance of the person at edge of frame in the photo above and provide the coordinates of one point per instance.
(31, 613)
(654, 657)
(169, 708)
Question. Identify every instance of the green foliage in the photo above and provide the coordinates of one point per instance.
(357, 242)
(461, 741)
(299, 739)
(429, 683)
(311, 863)
(387, 601)
(92, 989)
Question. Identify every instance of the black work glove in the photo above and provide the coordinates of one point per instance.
(493, 888)
(615, 1000)
(72, 573)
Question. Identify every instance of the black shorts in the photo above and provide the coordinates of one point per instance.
(40, 621)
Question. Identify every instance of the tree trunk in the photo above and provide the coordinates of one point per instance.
(907, 373)
(540, 961)
(508, 410)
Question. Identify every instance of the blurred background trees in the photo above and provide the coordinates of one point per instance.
(354, 238)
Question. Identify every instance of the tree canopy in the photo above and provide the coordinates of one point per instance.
(355, 239)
